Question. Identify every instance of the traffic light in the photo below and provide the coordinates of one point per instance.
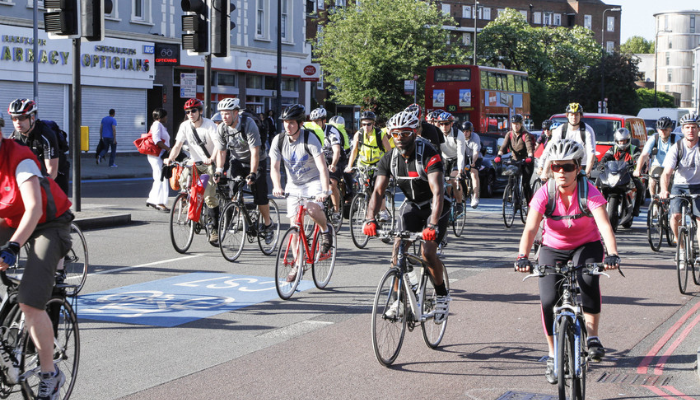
(221, 26)
(195, 24)
(93, 21)
(62, 19)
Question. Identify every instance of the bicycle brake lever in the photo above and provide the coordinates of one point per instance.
(620, 271)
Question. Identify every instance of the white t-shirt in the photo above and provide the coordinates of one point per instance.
(454, 147)
(301, 167)
(158, 133)
(25, 170)
(575, 135)
(207, 134)
(688, 172)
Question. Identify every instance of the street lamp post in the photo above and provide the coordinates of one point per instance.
(656, 61)
(475, 16)
(602, 58)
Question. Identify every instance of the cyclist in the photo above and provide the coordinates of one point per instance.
(577, 130)
(35, 211)
(428, 130)
(546, 133)
(569, 233)
(239, 134)
(657, 147)
(307, 174)
(200, 135)
(420, 177)
(473, 158)
(339, 122)
(453, 151)
(31, 131)
(624, 150)
(370, 144)
(519, 142)
(682, 162)
(333, 148)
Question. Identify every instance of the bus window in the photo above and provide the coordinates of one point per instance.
(518, 83)
(511, 82)
(485, 81)
(500, 84)
(493, 83)
(526, 85)
(453, 75)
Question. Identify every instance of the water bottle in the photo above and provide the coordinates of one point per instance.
(413, 278)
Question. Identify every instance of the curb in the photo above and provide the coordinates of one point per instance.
(103, 222)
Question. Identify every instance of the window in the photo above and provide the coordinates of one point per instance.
(113, 14)
(547, 19)
(138, 11)
(500, 12)
(453, 75)
(289, 84)
(254, 104)
(448, 37)
(319, 84)
(669, 77)
(511, 83)
(466, 38)
(467, 12)
(670, 42)
(518, 83)
(668, 58)
(319, 32)
(226, 79)
(610, 46)
(557, 19)
(321, 4)
(610, 24)
(588, 22)
(665, 23)
(692, 24)
(285, 28)
(486, 13)
(254, 81)
(445, 9)
(340, 3)
(537, 17)
(524, 13)
(526, 85)
(260, 19)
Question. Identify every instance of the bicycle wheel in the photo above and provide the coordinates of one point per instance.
(358, 211)
(569, 387)
(391, 209)
(66, 354)
(181, 228)
(508, 206)
(290, 260)
(233, 229)
(269, 248)
(682, 259)
(324, 263)
(389, 328)
(523, 205)
(330, 210)
(654, 230)
(460, 220)
(75, 263)
(432, 331)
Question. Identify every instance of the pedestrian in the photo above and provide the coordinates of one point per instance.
(108, 134)
(158, 196)
(270, 125)
(2, 124)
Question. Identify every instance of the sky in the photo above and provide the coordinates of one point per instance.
(638, 15)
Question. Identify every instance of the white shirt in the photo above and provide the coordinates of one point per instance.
(688, 172)
(454, 147)
(575, 135)
(158, 133)
(207, 134)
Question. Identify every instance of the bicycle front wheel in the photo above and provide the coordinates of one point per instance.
(265, 247)
(389, 318)
(290, 261)
(324, 263)
(433, 332)
(523, 206)
(75, 263)
(66, 352)
(233, 229)
(460, 220)
(508, 206)
(181, 228)
(567, 368)
(654, 229)
(682, 256)
(358, 210)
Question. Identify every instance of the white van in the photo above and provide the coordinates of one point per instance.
(651, 115)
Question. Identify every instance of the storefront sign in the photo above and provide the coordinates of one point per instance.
(310, 72)
(188, 85)
(167, 54)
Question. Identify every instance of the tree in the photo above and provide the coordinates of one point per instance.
(621, 73)
(368, 50)
(645, 99)
(637, 45)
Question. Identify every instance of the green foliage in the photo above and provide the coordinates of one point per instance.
(646, 99)
(637, 45)
(368, 51)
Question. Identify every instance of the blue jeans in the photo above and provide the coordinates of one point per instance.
(109, 143)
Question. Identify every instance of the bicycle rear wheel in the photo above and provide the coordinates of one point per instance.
(181, 228)
(389, 328)
(269, 248)
(569, 383)
(432, 331)
(682, 255)
(75, 263)
(66, 354)
(654, 230)
(508, 206)
(460, 220)
(523, 206)
(358, 211)
(290, 261)
(324, 263)
(233, 229)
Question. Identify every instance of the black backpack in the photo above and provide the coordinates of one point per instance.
(61, 135)
(306, 132)
(245, 115)
(582, 131)
(655, 149)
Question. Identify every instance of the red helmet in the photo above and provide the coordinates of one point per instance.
(193, 103)
(22, 107)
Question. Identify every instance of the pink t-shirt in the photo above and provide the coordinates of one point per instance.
(568, 234)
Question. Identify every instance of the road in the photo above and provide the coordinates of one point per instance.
(174, 344)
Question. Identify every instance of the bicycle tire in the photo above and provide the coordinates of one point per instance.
(330, 210)
(682, 264)
(654, 230)
(568, 383)
(76, 262)
(391, 209)
(66, 350)
(508, 206)
(290, 255)
(432, 332)
(358, 212)
(460, 220)
(322, 268)
(388, 332)
(523, 205)
(233, 229)
(667, 227)
(181, 227)
(269, 248)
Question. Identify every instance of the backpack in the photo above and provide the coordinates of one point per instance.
(530, 137)
(582, 131)
(342, 138)
(420, 147)
(680, 153)
(552, 193)
(245, 115)
(655, 149)
(378, 135)
(61, 135)
(280, 141)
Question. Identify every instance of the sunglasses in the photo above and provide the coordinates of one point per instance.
(444, 123)
(563, 167)
(405, 133)
(367, 124)
(188, 112)
(20, 117)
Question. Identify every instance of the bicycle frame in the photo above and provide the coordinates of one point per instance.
(299, 223)
(403, 258)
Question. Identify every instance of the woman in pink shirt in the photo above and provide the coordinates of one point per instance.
(569, 234)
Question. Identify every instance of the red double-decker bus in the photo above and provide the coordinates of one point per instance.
(486, 96)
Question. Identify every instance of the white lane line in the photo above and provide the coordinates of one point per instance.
(145, 265)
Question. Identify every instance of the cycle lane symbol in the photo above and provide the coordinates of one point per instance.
(178, 300)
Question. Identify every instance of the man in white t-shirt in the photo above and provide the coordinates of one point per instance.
(576, 130)
(200, 135)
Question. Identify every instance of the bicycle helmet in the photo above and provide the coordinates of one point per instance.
(516, 119)
(445, 117)
(194, 103)
(402, 120)
(216, 118)
(547, 124)
(414, 108)
(368, 115)
(319, 113)
(689, 119)
(566, 149)
(574, 108)
(467, 126)
(337, 120)
(622, 138)
(231, 103)
(296, 112)
(22, 107)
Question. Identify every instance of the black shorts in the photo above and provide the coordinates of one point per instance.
(415, 218)
(237, 168)
(340, 168)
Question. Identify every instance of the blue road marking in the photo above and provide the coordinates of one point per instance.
(178, 300)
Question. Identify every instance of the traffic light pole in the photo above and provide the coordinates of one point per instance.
(207, 86)
(75, 126)
(278, 104)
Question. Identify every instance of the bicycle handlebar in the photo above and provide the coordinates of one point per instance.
(407, 235)
(593, 269)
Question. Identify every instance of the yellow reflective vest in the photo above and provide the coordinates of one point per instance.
(369, 151)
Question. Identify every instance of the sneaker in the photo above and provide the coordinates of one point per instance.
(292, 275)
(269, 232)
(113, 166)
(50, 385)
(97, 160)
(475, 202)
(214, 238)
(682, 259)
(596, 351)
(459, 208)
(395, 311)
(327, 241)
(384, 216)
(549, 372)
(9, 369)
(60, 276)
(442, 308)
(335, 218)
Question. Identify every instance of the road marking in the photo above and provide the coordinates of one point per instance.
(111, 271)
(662, 361)
(660, 392)
(295, 330)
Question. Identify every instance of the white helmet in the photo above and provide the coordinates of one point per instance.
(566, 149)
(622, 135)
(319, 113)
(230, 103)
(338, 120)
(404, 119)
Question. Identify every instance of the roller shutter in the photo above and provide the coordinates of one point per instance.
(130, 113)
(51, 102)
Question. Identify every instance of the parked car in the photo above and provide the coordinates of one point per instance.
(490, 176)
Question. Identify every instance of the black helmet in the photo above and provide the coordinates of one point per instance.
(547, 124)
(574, 108)
(467, 126)
(368, 115)
(664, 123)
(296, 112)
(516, 119)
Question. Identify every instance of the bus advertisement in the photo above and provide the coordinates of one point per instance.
(485, 96)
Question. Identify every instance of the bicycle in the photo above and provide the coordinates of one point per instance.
(416, 303)
(658, 223)
(240, 221)
(298, 253)
(687, 248)
(457, 219)
(513, 196)
(358, 208)
(570, 334)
